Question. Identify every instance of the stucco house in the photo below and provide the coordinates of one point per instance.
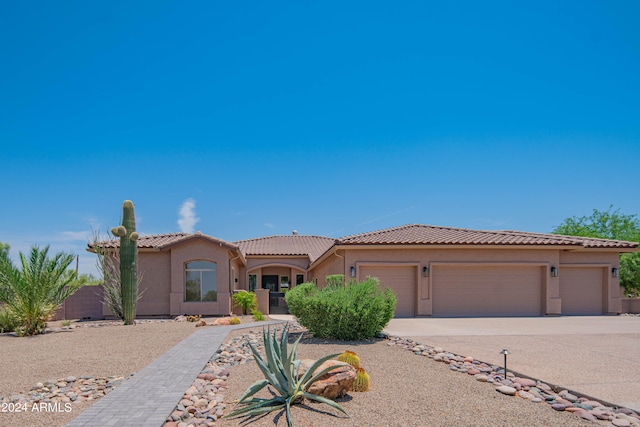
(435, 271)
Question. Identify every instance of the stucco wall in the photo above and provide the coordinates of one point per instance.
(332, 265)
(255, 262)
(200, 250)
(155, 268)
(85, 303)
(631, 305)
(432, 257)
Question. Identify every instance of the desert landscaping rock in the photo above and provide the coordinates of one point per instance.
(619, 422)
(530, 389)
(505, 389)
(203, 403)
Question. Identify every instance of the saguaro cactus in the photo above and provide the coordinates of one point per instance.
(128, 261)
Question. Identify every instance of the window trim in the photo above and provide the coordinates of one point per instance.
(201, 271)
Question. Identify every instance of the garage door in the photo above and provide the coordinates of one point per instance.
(581, 290)
(460, 291)
(402, 280)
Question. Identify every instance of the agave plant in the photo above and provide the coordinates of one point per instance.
(282, 372)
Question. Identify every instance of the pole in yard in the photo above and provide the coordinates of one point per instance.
(505, 352)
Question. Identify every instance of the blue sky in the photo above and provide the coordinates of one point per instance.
(332, 118)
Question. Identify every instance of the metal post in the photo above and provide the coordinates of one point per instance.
(505, 366)
(505, 352)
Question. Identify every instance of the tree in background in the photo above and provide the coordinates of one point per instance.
(108, 265)
(610, 224)
(4, 258)
(34, 291)
(4, 250)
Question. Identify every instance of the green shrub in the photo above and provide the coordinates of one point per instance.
(34, 291)
(8, 321)
(258, 316)
(246, 300)
(298, 300)
(234, 321)
(359, 310)
(335, 280)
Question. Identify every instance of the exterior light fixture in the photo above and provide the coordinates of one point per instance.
(505, 352)
(615, 272)
(425, 271)
(353, 271)
(554, 271)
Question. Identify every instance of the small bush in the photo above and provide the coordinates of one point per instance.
(234, 321)
(66, 323)
(8, 321)
(299, 296)
(258, 316)
(194, 318)
(246, 300)
(359, 310)
(335, 280)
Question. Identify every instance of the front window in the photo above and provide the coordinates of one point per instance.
(201, 281)
(284, 282)
(253, 282)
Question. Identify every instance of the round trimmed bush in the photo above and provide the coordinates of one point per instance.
(355, 311)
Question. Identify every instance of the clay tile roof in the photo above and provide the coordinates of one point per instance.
(587, 242)
(417, 234)
(161, 241)
(292, 245)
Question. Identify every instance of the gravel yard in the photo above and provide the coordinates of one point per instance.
(407, 390)
(94, 351)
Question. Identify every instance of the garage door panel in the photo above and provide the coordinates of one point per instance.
(402, 280)
(460, 291)
(581, 290)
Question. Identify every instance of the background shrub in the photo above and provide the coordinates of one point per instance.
(258, 316)
(36, 289)
(298, 297)
(358, 310)
(335, 280)
(8, 321)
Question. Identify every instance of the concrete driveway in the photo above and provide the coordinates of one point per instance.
(597, 356)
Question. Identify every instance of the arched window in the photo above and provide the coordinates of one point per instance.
(201, 281)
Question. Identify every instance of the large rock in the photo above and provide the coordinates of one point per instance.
(335, 383)
(223, 321)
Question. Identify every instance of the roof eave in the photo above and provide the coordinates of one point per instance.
(200, 236)
(456, 246)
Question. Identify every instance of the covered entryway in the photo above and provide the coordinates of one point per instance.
(401, 280)
(486, 291)
(581, 290)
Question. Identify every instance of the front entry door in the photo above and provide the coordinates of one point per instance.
(270, 282)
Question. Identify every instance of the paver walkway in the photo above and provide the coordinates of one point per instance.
(147, 398)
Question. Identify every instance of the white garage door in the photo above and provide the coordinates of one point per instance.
(581, 290)
(460, 291)
(402, 280)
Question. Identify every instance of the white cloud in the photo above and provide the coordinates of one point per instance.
(268, 224)
(188, 218)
